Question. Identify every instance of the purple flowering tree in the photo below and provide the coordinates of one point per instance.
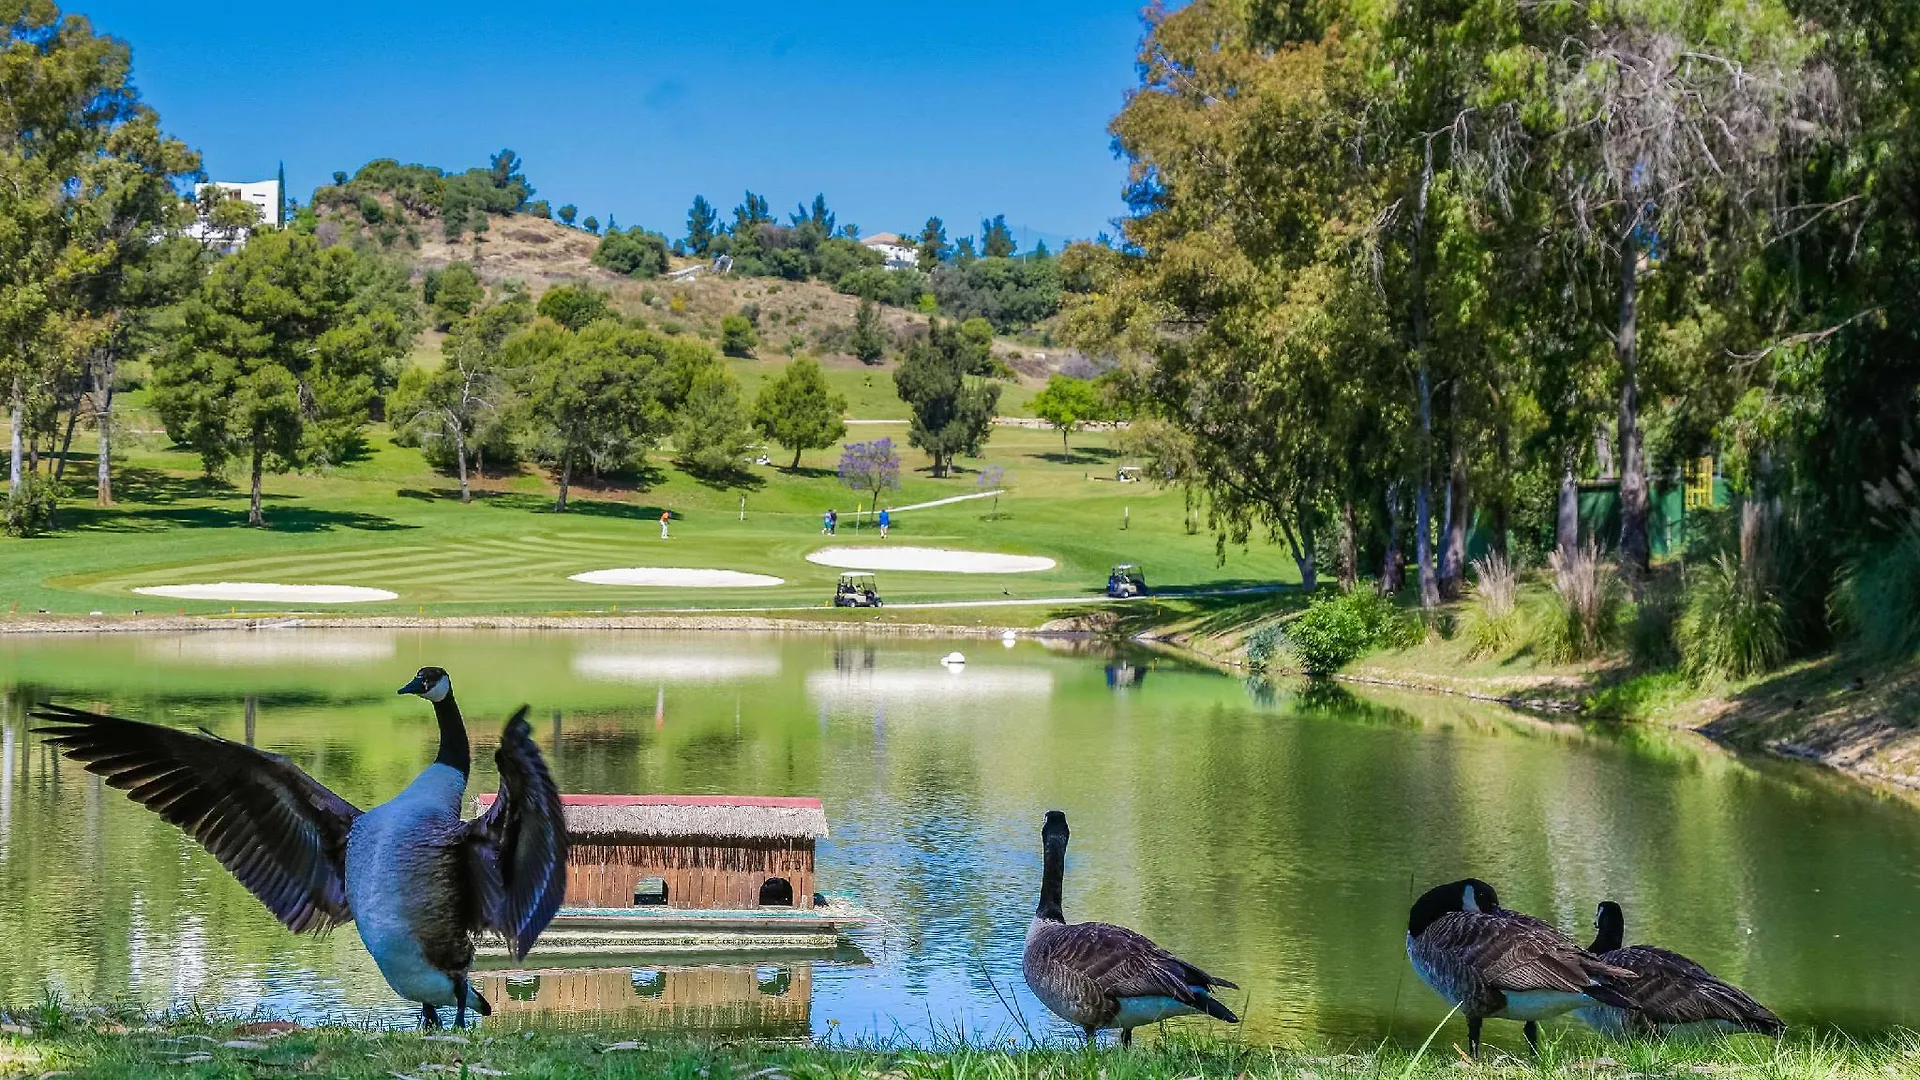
(870, 467)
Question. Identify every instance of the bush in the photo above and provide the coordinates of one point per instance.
(1877, 598)
(33, 506)
(1262, 644)
(635, 252)
(1336, 629)
(1732, 625)
(1493, 618)
(737, 337)
(1582, 619)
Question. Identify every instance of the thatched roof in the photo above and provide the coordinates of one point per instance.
(692, 818)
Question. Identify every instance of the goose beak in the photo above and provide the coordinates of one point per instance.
(414, 687)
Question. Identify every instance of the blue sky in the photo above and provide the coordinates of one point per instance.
(895, 110)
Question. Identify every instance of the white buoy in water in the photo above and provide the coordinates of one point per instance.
(953, 658)
(1008, 639)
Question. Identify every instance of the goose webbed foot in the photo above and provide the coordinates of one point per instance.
(1473, 1037)
(1533, 1037)
(429, 1018)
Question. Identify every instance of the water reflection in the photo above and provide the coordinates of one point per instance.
(759, 1001)
(1272, 834)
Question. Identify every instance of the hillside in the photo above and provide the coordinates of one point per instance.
(792, 317)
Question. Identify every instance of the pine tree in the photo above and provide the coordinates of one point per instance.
(869, 339)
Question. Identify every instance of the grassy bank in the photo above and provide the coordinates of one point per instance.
(181, 1050)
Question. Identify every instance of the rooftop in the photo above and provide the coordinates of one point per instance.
(647, 818)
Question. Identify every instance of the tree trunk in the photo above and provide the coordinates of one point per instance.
(1567, 520)
(1349, 547)
(1502, 515)
(17, 419)
(254, 515)
(460, 459)
(66, 440)
(1393, 565)
(566, 473)
(1453, 560)
(796, 460)
(1423, 496)
(1636, 543)
(103, 419)
(480, 463)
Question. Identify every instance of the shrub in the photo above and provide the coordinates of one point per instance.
(1732, 624)
(32, 507)
(1493, 618)
(1336, 629)
(1262, 644)
(737, 337)
(1876, 600)
(1583, 611)
(1651, 628)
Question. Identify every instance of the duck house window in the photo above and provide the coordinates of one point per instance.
(650, 892)
(776, 892)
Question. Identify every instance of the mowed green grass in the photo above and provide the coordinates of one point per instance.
(390, 522)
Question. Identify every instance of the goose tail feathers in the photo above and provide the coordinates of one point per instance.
(1213, 1007)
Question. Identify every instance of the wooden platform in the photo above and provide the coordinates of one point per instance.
(750, 931)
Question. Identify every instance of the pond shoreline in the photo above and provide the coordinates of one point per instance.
(177, 624)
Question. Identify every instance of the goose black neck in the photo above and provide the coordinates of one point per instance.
(454, 750)
(1611, 932)
(1053, 868)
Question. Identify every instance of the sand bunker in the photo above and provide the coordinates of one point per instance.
(269, 592)
(677, 577)
(936, 560)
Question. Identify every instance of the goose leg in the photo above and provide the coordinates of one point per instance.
(459, 1001)
(429, 1017)
(1473, 1036)
(1090, 1038)
(1533, 1036)
(1126, 1037)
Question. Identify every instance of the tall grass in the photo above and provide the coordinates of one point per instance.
(1583, 610)
(1876, 600)
(1493, 612)
(1733, 625)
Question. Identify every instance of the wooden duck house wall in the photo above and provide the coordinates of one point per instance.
(699, 872)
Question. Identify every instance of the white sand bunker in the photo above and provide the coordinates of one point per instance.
(677, 577)
(937, 560)
(269, 592)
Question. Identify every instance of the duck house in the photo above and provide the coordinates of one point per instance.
(690, 852)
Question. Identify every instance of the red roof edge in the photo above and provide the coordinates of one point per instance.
(801, 803)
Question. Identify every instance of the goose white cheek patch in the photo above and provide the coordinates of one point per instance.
(438, 691)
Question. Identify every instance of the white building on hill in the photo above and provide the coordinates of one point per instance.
(264, 195)
(900, 254)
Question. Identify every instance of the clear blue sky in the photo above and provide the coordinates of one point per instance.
(895, 109)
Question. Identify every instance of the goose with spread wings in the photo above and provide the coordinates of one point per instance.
(418, 881)
(1100, 976)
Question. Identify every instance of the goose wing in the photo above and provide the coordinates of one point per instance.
(517, 850)
(1118, 963)
(1673, 989)
(1519, 954)
(276, 829)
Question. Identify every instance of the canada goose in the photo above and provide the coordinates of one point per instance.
(417, 880)
(1492, 962)
(1674, 995)
(1098, 975)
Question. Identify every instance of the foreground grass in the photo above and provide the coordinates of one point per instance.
(198, 1049)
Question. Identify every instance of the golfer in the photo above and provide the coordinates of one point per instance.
(665, 516)
(884, 522)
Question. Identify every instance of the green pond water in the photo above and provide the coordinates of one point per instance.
(1272, 837)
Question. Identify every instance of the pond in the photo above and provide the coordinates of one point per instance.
(1273, 837)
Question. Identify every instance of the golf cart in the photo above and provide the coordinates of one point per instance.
(1126, 581)
(857, 588)
(1129, 474)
